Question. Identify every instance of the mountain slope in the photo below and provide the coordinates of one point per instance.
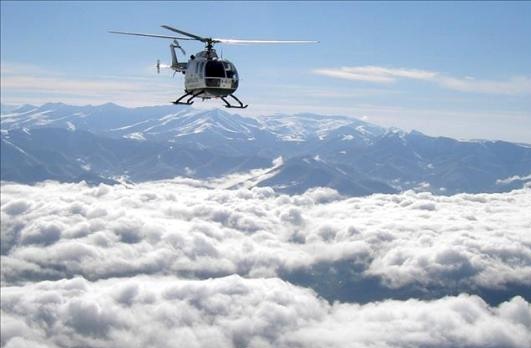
(63, 142)
(59, 154)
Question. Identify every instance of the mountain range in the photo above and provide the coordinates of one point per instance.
(110, 143)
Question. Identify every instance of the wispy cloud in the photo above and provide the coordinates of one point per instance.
(375, 74)
(32, 84)
(513, 86)
(66, 85)
(512, 179)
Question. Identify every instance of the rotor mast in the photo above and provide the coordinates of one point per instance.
(209, 47)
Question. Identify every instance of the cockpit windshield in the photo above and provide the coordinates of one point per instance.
(214, 69)
(230, 70)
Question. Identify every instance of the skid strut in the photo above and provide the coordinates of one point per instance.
(228, 105)
(189, 100)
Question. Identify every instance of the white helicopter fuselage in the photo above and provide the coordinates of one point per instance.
(205, 75)
(211, 77)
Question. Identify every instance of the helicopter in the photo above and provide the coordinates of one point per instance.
(206, 75)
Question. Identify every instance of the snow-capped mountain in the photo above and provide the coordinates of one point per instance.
(269, 135)
(303, 127)
(99, 143)
(166, 123)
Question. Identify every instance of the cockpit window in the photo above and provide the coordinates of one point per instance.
(230, 70)
(201, 69)
(214, 69)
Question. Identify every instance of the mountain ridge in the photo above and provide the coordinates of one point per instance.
(350, 155)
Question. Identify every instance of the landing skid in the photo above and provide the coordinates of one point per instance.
(189, 100)
(228, 105)
(191, 96)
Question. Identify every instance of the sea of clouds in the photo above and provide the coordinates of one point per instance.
(184, 263)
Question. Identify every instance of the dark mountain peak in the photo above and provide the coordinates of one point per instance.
(416, 133)
(107, 105)
(53, 105)
(395, 132)
(218, 115)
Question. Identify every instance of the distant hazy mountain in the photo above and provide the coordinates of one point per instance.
(102, 143)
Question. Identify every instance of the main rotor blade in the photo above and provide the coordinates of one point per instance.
(149, 35)
(196, 37)
(242, 42)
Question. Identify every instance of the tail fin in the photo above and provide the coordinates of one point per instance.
(174, 62)
(175, 65)
(158, 66)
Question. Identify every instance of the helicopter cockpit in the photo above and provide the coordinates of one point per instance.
(220, 69)
(216, 71)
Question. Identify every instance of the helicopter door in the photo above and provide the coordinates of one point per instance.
(197, 64)
(201, 70)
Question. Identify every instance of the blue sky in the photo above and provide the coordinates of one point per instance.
(444, 68)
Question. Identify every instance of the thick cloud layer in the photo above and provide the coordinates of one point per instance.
(53, 231)
(183, 263)
(148, 311)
